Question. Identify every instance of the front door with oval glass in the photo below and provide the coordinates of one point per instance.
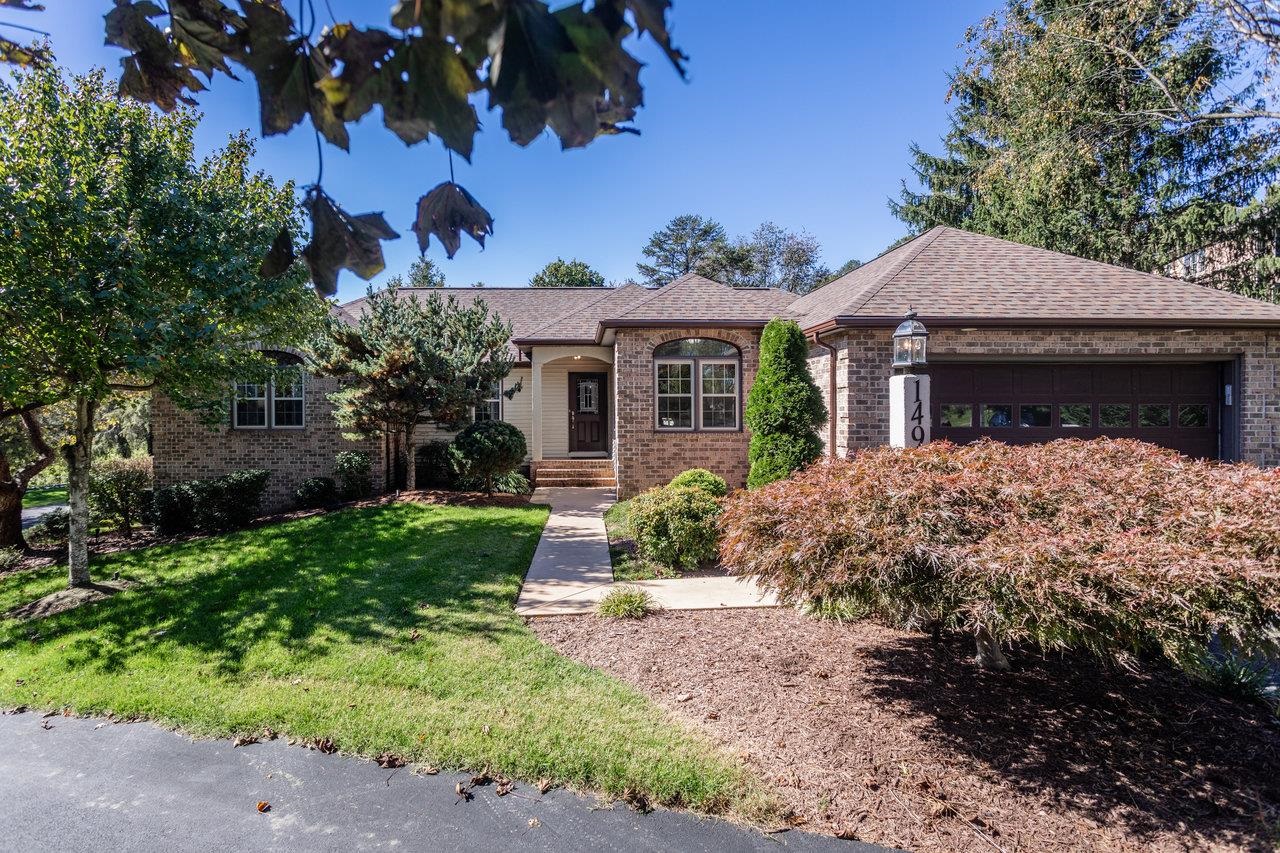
(588, 426)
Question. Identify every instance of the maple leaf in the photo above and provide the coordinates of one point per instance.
(287, 70)
(154, 71)
(340, 240)
(447, 211)
(206, 33)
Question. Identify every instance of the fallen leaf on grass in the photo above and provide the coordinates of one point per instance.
(389, 761)
(324, 745)
(264, 806)
(636, 800)
(414, 635)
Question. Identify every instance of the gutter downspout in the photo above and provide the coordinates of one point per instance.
(831, 393)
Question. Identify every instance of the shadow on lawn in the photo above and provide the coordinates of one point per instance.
(1147, 749)
(361, 575)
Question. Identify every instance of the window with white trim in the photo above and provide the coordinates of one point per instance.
(278, 403)
(490, 408)
(697, 385)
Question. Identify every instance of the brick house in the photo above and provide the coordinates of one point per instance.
(633, 385)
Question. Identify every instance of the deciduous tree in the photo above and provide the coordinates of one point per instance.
(562, 273)
(771, 256)
(407, 361)
(569, 70)
(128, 265)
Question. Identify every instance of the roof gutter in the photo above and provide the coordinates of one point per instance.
(831, 392)
(944, 322)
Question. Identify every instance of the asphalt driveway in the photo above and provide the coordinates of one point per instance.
(87, 784)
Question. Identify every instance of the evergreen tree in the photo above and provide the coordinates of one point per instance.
(784, 408)
(1056, 141)
(423, 274)
(680, 247)
(406, 362)
(562, 273)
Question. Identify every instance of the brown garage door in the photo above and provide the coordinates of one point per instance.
(1173, 405)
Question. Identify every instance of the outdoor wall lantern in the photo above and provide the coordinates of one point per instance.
(909, 342)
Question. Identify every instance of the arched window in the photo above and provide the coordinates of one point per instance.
(697, 385)
(277, 403)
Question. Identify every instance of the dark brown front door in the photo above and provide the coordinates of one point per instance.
(1173, 405)
(588, 426)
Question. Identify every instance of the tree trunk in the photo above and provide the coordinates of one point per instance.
(78, 455)
(11, 515)
(410, 460)
(989, 654)
(14, 486)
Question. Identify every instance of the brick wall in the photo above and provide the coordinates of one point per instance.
(864, 356)
(185, 449)
(646, 457)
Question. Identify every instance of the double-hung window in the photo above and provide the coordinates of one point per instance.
(697, 385)
(277, 403)
(490, 408)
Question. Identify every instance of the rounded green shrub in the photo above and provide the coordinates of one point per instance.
(10, 558)
(675, 526)
(352, 470)
(118, 490)
(489, 450)
(784, 408)
(701, 478)
(437, 465)
(316, 492)
(52, 528)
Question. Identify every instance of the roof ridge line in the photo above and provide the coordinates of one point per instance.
(896, 270)
(677, 281)
(609, 291)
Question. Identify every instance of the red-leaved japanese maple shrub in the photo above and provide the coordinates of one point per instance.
(1115, 547)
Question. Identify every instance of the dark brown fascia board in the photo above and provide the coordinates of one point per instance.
(605, 325)
(553, 342)
(944, 322)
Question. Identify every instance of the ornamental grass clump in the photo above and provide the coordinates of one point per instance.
(1115, 547)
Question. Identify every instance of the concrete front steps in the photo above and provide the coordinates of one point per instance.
(596, 473)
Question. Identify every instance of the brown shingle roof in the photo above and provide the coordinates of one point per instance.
(692, 298)
(581, 322)
(950, 274)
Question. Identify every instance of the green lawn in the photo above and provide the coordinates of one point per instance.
(386, 628)
(627, 564)
(44, 496)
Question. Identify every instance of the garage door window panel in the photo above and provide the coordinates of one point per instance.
(1075, 415)
(1194, 416)
(997, 415)
(1036, 415)
(957, 415)
(1153, 415)
(1115, 416)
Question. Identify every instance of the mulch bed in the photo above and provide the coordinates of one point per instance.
(39, 557)
(893, 738)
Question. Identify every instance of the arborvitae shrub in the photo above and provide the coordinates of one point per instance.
(784, 408)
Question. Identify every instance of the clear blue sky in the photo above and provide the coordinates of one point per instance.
(796, 111)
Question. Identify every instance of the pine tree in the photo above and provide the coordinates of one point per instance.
(679, 248)
(784, 407)
(1058, 141)
(407, 362)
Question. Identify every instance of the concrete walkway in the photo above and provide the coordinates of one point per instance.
(571, 569)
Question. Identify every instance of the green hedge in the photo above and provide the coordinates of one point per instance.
(221, 503)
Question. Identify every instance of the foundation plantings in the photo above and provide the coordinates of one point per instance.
(1112, 547)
